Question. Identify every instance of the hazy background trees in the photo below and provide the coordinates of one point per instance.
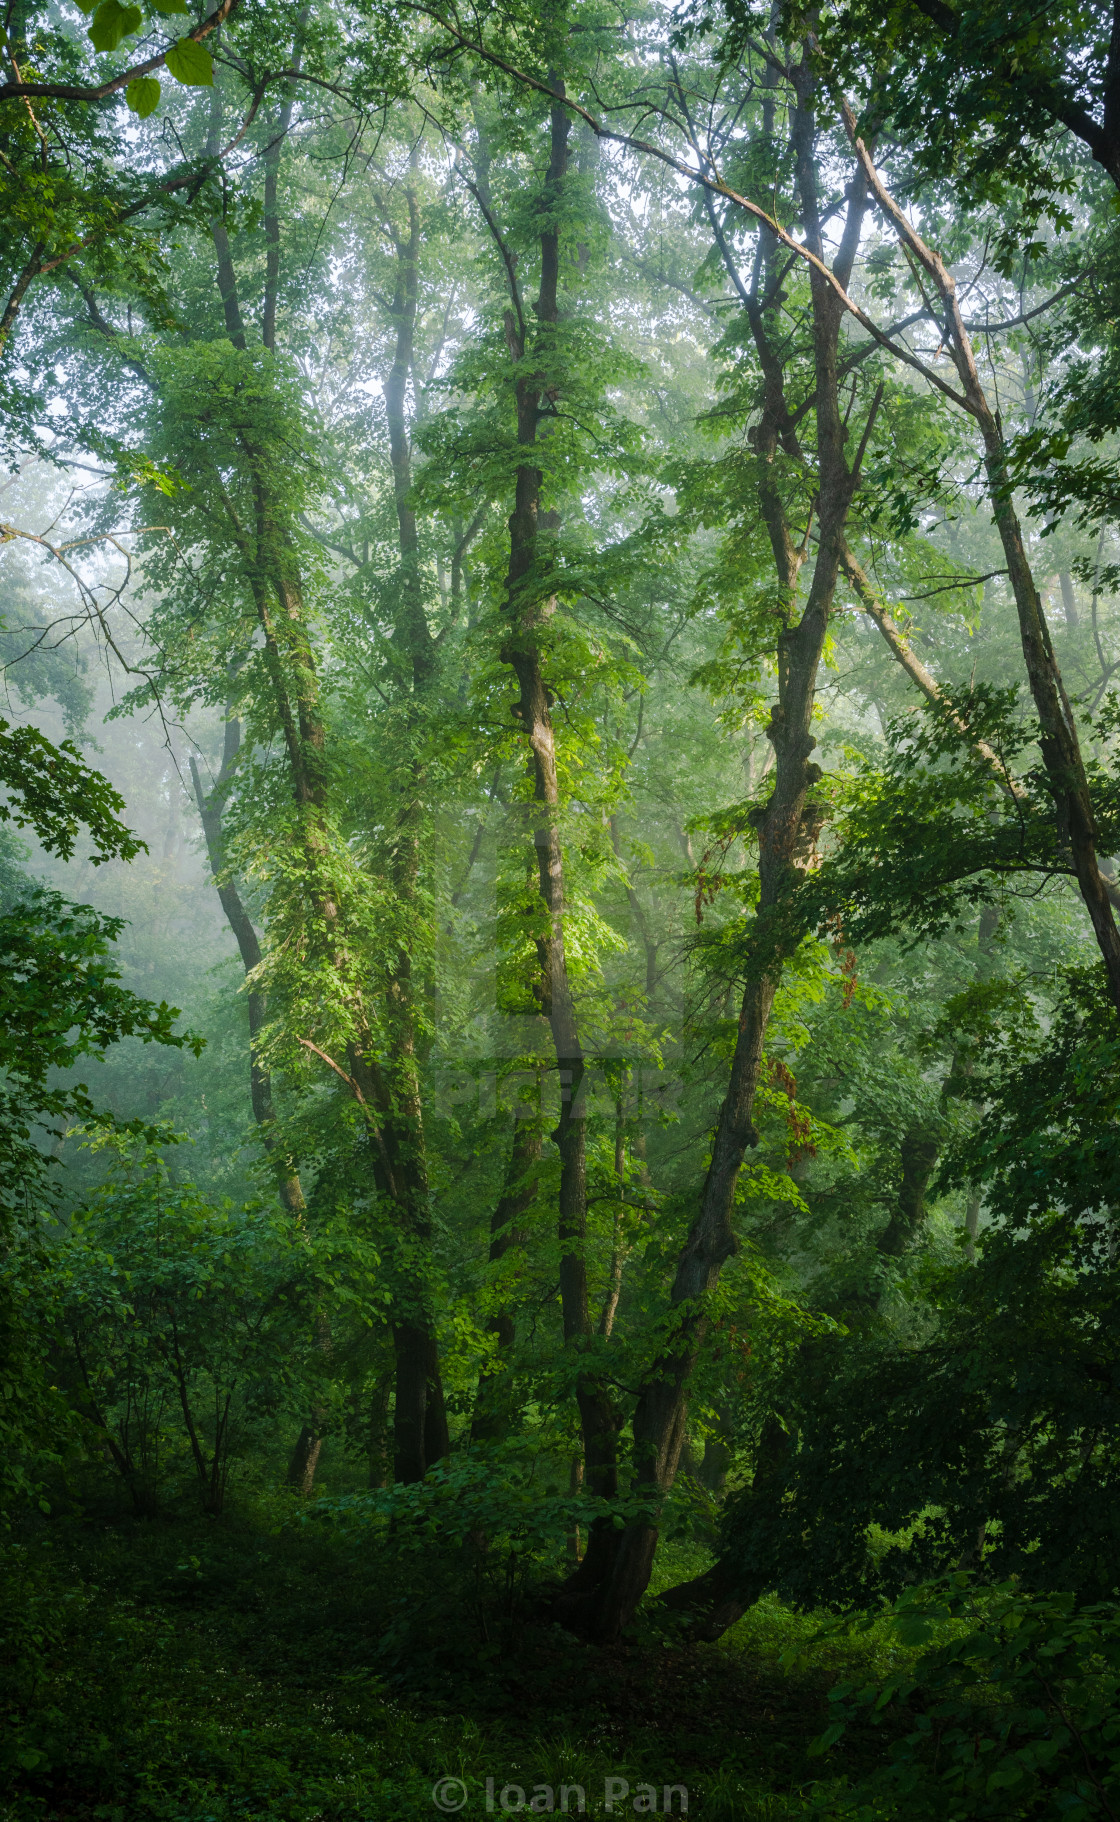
(584, 547)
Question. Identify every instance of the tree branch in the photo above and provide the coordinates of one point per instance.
(65, 91)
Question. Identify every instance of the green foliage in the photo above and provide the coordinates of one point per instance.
(927, 836)
(60, 1001)
(1066, 460)
(277, 347)
(183, 1325)
(55, 792)
(142, 95)
(992, 1434)
(190, 64)
(978, 96)
(112, 22)
(1013, 1713)
(1046, 1136)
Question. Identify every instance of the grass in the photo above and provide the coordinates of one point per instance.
(265, 1667)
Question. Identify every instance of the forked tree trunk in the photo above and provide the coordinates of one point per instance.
(604, 1593)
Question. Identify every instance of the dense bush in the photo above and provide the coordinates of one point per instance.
(1015, 1714)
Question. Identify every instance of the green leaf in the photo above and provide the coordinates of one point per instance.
(112, 22)
(1005, 1776)
(914, 1628)
(142, 95)
(170, 6)
(54, 790)
(190, 64)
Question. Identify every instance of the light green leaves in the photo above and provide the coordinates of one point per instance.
(142, 95)
(112, 22)
(187, 61)
(146, 473)
(190, 64)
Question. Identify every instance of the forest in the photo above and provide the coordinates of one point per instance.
(559, 910)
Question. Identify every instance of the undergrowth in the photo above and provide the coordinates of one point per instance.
(265, 1666)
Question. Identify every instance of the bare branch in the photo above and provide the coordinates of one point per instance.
(716, 185)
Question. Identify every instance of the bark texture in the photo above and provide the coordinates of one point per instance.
(605, 1592)
(527, 609)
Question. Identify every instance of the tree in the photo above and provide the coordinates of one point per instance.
(61, 998)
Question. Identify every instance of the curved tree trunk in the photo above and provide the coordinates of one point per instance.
(248, 944)
(604, 1593)
(1058, 735)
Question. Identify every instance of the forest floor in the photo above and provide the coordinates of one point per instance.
(262, 1667)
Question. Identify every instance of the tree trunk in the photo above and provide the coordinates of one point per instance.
(271, 212)
(260, 1081)
(397, 1150)
(527, 608)
(618, 1240)
(420, 1420)
(985, 937)
(305, 1459)
(604, 1594)
(493, 1410)
(380, 1465)
(1058, 736)
(918, 1153)
(714, 1600)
